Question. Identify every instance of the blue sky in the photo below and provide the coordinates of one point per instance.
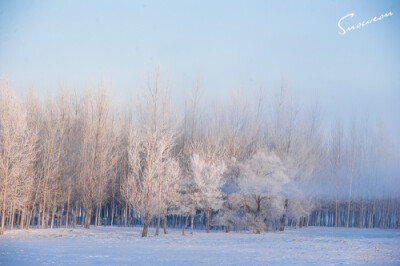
(226, 44)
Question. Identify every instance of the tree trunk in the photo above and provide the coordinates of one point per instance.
(31, 218)
(320, 215)
(52, 215)
(191, 223)
(186, 223)
(361, 218)
(146, 223)
(165, 225)
(126, 214)
(69, 196)
(348, 214)
(12, 214)
(159, 203)
(387, 217)
(208, 220)
(227, 228)
(59, 217)
(44, 207)
(283, 219)
(22, 218)
(46, 219)
(192, 217)
(373, 216)
(88, 217)
(3, 209)
(96, 217)
(158, 224)
(75, 216)
(39, 225)
(112, 212)
(336, 213)
(54, 205)
(315, 217)
(382, 215)
(99, 215)
(148, 192)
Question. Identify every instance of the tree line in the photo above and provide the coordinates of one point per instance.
(253, 162)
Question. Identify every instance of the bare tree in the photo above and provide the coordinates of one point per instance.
(17, 152)
(97, 115)
(157, 136)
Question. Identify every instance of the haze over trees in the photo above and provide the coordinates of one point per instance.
(257, 163)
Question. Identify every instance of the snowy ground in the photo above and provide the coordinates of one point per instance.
(105, 245)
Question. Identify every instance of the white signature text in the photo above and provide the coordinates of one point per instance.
(344, 30)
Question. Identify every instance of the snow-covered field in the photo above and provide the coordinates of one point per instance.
(109, 246)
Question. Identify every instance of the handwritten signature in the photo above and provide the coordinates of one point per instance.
(360, 24)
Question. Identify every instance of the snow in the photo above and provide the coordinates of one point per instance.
(115, 245)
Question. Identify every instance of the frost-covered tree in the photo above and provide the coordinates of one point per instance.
(261, 183)
(296, 137)
(207, 182)
(130, 184)
(156, 127)
(95, 146)
(169, 191)
(17, 153)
